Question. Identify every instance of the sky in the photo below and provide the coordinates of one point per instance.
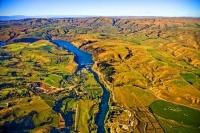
(188, 8)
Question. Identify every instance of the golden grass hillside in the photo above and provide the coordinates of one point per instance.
(141, 61)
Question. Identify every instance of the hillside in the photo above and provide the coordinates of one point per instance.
(143, 62)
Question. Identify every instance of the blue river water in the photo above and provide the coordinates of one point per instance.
(82, 58)
(2, 43)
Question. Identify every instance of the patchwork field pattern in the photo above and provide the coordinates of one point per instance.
(151, 66)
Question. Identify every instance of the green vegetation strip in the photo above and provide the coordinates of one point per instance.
(3, 104)
(178, 113)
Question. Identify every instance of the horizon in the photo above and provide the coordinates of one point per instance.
(21, 17)
(88, 16)
(136, 8)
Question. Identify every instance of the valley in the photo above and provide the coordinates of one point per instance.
(148, 69)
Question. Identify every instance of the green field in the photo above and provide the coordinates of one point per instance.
(3, 104)
(173, 127)
(24, 63)
(86, 116)
(140, 60)
(71, 104)
(185, 117)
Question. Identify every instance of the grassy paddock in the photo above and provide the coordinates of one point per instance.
(178, 113)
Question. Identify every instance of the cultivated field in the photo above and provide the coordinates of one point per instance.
(152, 64)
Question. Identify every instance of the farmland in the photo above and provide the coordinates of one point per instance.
(41, 68)
(186, 118)
(151, 67)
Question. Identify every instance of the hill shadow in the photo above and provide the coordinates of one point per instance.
(30, 40)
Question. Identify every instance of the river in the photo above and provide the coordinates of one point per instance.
(83, 58)
(2, 43)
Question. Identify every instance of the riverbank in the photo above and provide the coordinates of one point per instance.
(109, 88)
(83, 59)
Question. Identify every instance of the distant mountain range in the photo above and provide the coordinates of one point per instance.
(17, 17)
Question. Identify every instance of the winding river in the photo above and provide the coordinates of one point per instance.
(2, 43)
(82, 59)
